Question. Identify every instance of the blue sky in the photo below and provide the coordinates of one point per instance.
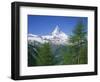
(44, 25)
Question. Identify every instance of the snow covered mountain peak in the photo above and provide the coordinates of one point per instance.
(56, 30)
(56, 37)
(58, 33)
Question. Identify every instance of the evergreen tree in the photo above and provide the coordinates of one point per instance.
(45, 56)
(78, 42)
(67, 57)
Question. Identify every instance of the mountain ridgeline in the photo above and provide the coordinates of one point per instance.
(58, 48)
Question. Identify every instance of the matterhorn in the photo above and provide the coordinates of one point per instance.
(56, 37)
